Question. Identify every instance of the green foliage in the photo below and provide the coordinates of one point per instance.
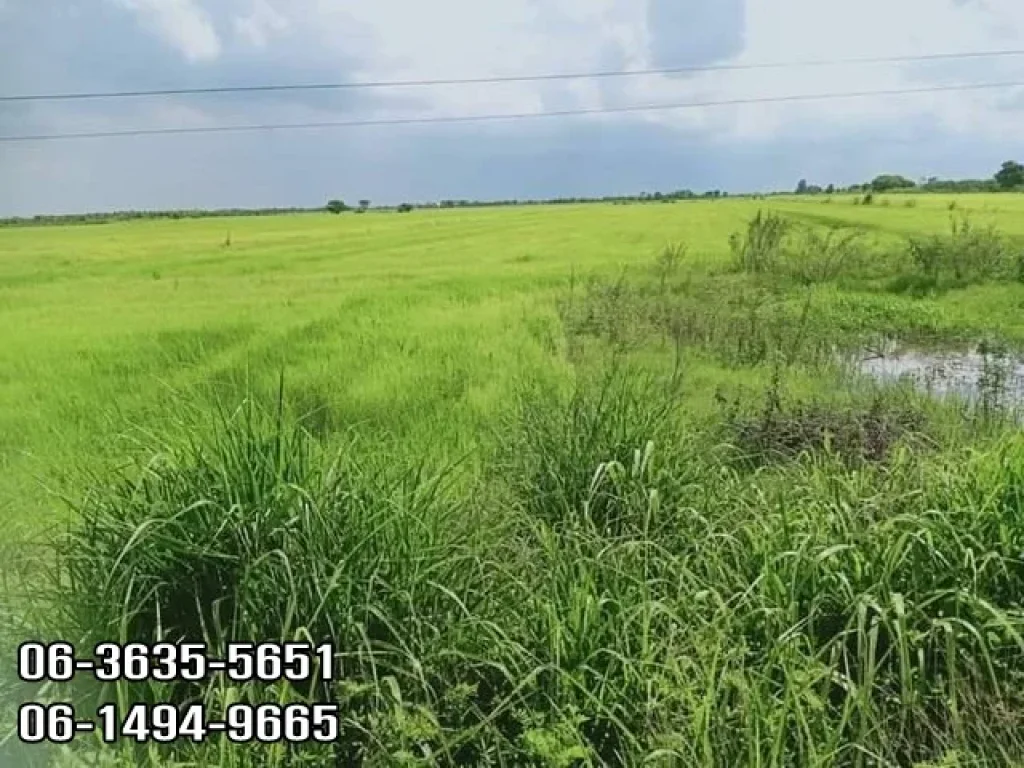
(527, 558)
(1010, 175)
(822, 256)
(627, 595)
(889, 182)
(759, 249)
(336, 206)
(968, 254)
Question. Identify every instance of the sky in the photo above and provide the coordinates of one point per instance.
(67, 46)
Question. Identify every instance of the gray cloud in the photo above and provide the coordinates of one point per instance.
(106, 50)
(694, 32)
(430, 163)
(45, 46)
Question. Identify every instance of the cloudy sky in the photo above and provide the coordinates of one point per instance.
(62, 46)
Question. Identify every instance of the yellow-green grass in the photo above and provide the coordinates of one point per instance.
(413, 326)
(717, 594)
(418, 322)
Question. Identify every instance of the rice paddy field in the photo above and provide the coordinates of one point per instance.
(562, 485)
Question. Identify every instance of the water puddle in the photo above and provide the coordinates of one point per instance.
(976, 375)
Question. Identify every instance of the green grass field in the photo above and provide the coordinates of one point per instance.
(414, 325)
(782, 565)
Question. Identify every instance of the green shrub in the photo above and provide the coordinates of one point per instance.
(759, 249)
(968, 254)
(819, 257)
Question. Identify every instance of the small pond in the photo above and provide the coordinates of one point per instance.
(973, 375)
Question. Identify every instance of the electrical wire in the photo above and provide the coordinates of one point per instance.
(509, 79)
(383, 122)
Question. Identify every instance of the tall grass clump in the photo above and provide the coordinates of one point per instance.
(968, 254)
(614, 593)
(759, 249)
(820, 257)
(256, 533)
(554, 444)
(820, 612)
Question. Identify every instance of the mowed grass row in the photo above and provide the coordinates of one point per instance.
(556, 500)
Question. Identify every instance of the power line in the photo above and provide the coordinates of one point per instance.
(514, 116)
(509, 79)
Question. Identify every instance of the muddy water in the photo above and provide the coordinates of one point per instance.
(971, 375)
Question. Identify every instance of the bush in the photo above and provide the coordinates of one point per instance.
(968, 254)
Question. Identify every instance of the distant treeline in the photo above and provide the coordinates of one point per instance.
(900, 184)
(643, 197)
(1009, 178)
(103, 218)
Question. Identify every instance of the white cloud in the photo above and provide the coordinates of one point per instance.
(184, 24)
(786, 30)
(261, 24)
(303, 40)
(401, 40)
(509, 37)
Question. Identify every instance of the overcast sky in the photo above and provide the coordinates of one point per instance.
(49, 46)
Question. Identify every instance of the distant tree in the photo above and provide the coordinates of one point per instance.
(336, 206)
(830, 189)
(404, 208)
(888, 182)
(801, 187)
(364, 204)
(1010, 176)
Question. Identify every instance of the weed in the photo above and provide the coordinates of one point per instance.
(556, 447)
(667, 265)
(993, 381)
(819, 257)
(968, 254)
(759, 249)
(784, 431)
